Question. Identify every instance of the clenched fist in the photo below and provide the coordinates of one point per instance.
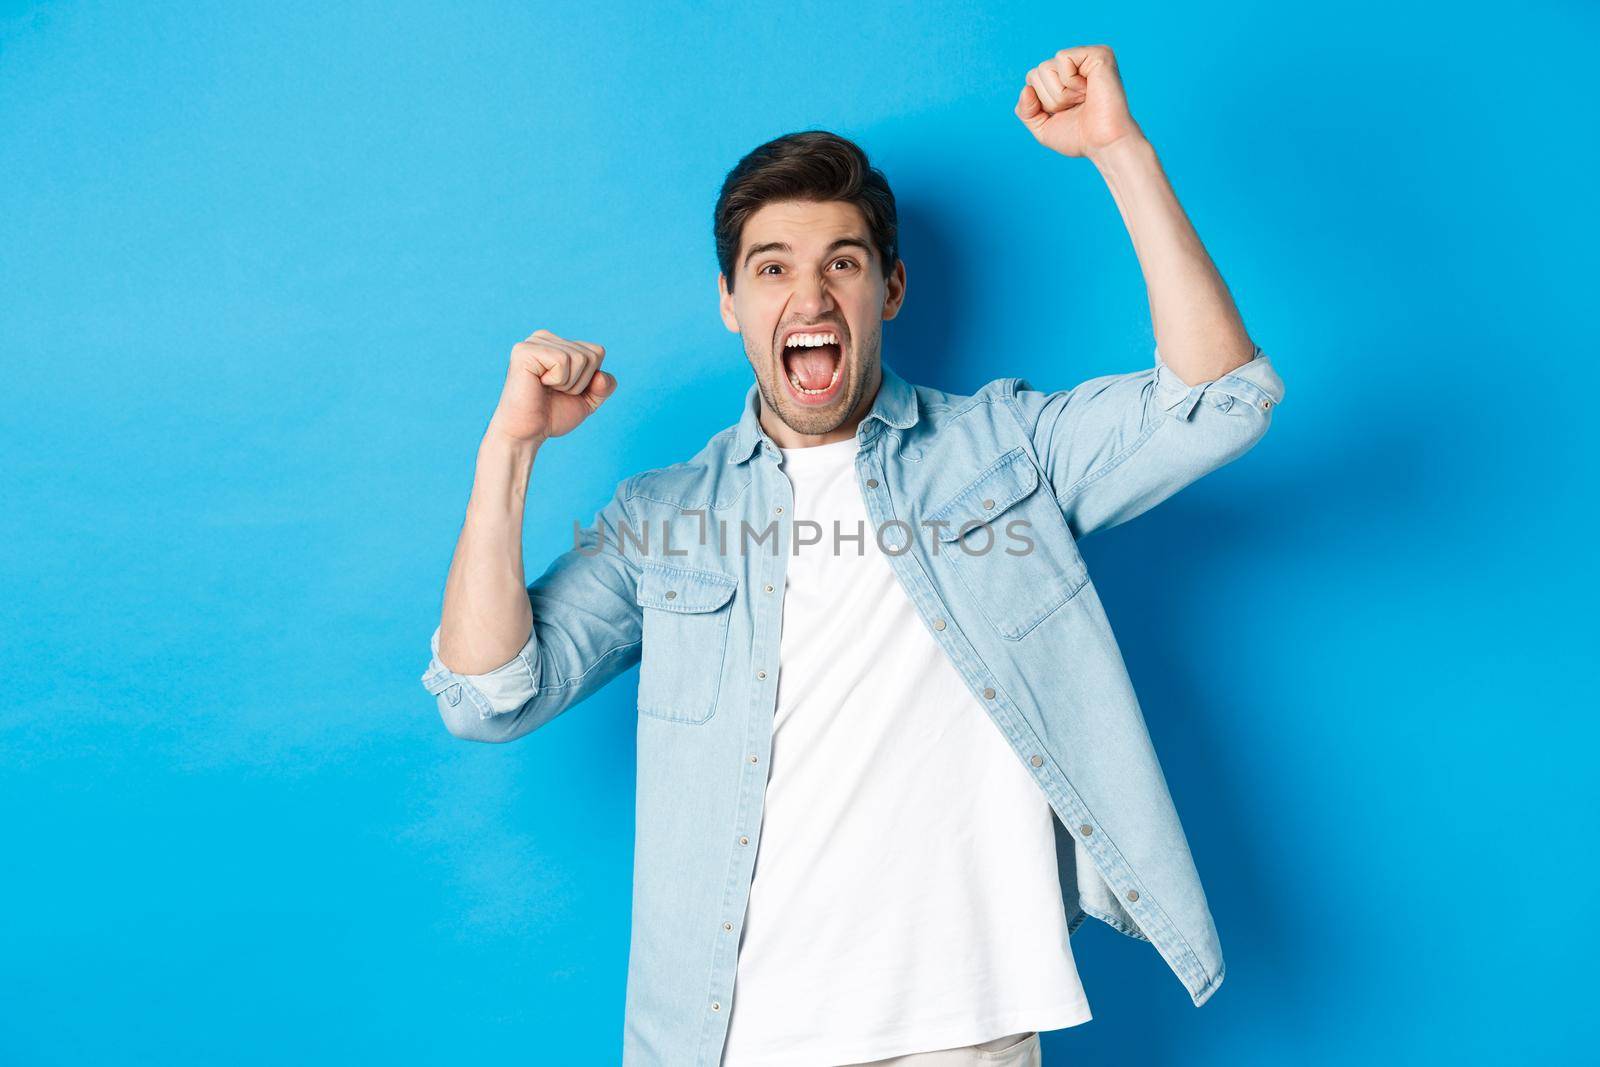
(551, 386)
(1074, 102)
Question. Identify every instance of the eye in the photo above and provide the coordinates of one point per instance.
(764, 267)
(844, 259)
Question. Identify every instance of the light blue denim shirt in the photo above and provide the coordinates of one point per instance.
(682, 572)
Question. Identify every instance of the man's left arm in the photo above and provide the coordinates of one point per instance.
(1117, 445)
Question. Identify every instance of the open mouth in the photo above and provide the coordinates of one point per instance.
(813, 364)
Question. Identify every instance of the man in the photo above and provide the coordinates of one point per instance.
(888, 753)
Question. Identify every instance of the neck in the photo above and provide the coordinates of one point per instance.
(785, 436)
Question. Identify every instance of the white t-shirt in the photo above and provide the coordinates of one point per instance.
(905, 895)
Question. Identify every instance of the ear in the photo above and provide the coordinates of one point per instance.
(894, 290)
(725, 302)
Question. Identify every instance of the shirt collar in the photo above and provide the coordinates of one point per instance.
(895, 405)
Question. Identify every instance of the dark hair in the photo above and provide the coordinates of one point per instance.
(812, 165)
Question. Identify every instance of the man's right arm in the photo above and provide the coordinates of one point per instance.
(507, 658)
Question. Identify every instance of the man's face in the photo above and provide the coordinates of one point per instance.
(807, 273)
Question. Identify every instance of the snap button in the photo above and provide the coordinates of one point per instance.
(872, 483)
(988, 694)
(768, 588)
(671, 593)
(1265, 404)
(753, 757)
(744, 840)
(938, 624)
(727, 926)
(1037, 761)
(1085, 829)
(778, 509)
(988, 504)
(1133, 894)
(715, 1006)
(761, 674)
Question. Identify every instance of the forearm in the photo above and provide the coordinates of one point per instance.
(1196, 323)
(487, 617)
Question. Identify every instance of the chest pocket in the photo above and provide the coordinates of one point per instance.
(1008, 544)
(685, 628)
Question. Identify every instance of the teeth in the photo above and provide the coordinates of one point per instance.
(811, 340)
(794, 380)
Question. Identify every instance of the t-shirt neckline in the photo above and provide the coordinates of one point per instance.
(820, 455)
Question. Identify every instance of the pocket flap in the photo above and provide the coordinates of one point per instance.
(1003, 483)
(682, 589)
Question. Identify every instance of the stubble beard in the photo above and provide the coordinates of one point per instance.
(810, 421)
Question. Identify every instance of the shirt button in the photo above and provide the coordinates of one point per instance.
(1085, 829)
(1037, 761)
(744, 840)
(761, 674)
(716, 1005)
(872, 483)
(1133, 894)
(778, 509)
(727, 926)
(671, 593)
(988, 694)
(938, 624)
(987, 504)
(768, 588)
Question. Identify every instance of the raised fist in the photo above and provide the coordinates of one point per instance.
(551, 386)
(1074, 102)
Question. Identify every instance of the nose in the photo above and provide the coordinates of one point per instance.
(811, 296)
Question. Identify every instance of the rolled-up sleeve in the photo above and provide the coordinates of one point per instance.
(586, 630)
(506, 688)
(1115, 446)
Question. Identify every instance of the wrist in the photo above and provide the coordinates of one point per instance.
(503, 467)
(498, 441)
(1130, 150)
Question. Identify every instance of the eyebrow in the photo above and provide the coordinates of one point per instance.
(779, 246)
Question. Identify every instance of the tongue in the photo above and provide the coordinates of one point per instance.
(814, 366)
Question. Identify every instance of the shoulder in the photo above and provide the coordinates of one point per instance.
(705, 479)
(940, 406)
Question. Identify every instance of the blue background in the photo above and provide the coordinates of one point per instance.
(260, 270)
